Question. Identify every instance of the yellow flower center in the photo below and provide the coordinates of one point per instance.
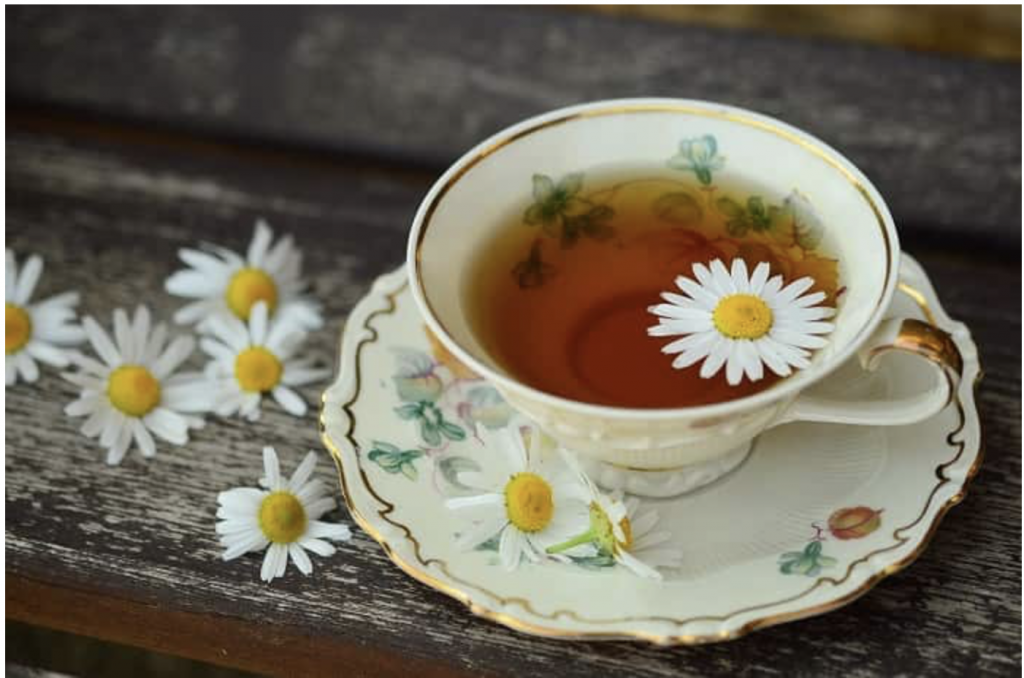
(528, 501)
(601, 528)
(257, 369)
(248, 286)
(17, 328)
(742, 316)
(282, 517)
(133, 390)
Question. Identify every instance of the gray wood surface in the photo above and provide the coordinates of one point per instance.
(331, 124)
(109, 215)
(941, 137)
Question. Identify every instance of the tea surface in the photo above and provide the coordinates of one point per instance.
(559, 297)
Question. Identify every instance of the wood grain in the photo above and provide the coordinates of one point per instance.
(940, 137)
(130, 553)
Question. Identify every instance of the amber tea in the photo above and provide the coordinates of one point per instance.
(559, 296)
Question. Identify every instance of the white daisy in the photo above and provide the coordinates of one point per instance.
(621, 530)
(285, 516)
(134, 390)
(37, 331)
(528, 500)
(252, 359)
(740, 322)
(225, 284)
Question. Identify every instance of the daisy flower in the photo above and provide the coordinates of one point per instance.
(39, 331)
(622, 530)
(225, 284)
(132, 391)
(741, 322)
(252, 359)
(527, 501)
(285, 515)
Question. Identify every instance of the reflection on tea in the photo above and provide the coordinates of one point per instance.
(560, 295)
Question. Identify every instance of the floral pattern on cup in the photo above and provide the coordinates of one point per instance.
(700, 156)
(854, 522)
(444, 400)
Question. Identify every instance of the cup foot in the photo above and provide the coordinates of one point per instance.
(664, 483)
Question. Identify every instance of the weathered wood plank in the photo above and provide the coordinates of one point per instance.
(108, 216)
(940, 136)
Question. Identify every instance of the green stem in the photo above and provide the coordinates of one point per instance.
(575, 541)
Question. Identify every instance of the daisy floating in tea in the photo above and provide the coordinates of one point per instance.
(742, 322)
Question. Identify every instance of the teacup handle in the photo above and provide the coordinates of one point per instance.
(896, 334)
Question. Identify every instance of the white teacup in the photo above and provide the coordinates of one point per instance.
(660, 452)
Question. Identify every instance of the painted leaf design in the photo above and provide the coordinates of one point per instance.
(679, 208)
(451, 467)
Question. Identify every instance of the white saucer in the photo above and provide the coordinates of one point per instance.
(809, 521)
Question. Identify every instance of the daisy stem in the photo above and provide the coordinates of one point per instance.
(587, 536)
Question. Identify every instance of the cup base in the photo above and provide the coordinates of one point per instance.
(662, 483)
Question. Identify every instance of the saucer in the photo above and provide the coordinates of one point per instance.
(811, 519)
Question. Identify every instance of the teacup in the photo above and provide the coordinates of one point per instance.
(661, 452)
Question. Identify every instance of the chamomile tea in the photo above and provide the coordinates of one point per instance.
(561, 295)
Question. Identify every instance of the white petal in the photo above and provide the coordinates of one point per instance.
(278, 256)
(734, 364)
(173, 356)
(258, 323)
(204, 262)
(300, 559)
(115, 455)
(101, 342)
(681, 326)
(253, 541)
(270, 562)
(637, 566)
(289, 400)
(794, 290)
(27, 367)
(196, 311)
(154, 344)
(243, 502)
(809, 300)
(700, 296)
(751, 360)
(680, 312)
(124, 337)
(690, 342)
(191, 284)
(317, 546)
(303, 472)
(271, 470)
(485, 529)
(739, 276)
(87, 382)
(83, 406)
(722, 277)
(96, 421)
(112, 427)
(195, 396)
(260, 241)
(696, 352)
(717, 355)
(804, 314)
(10, 275)
(771, 358)
(770, 291)
(230, 330)
(510, 548)
(168, 425)
(321, 530)
(142, 438)
(51, 355)
(708, 282)
(476, 501)
(30, 272)
(760, 276)
(792, 355)
(797, 339)
(299, 376)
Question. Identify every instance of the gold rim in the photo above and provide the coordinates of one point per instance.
(420, 574)
(830, 157)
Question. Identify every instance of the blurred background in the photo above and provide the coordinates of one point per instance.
(974, 32)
